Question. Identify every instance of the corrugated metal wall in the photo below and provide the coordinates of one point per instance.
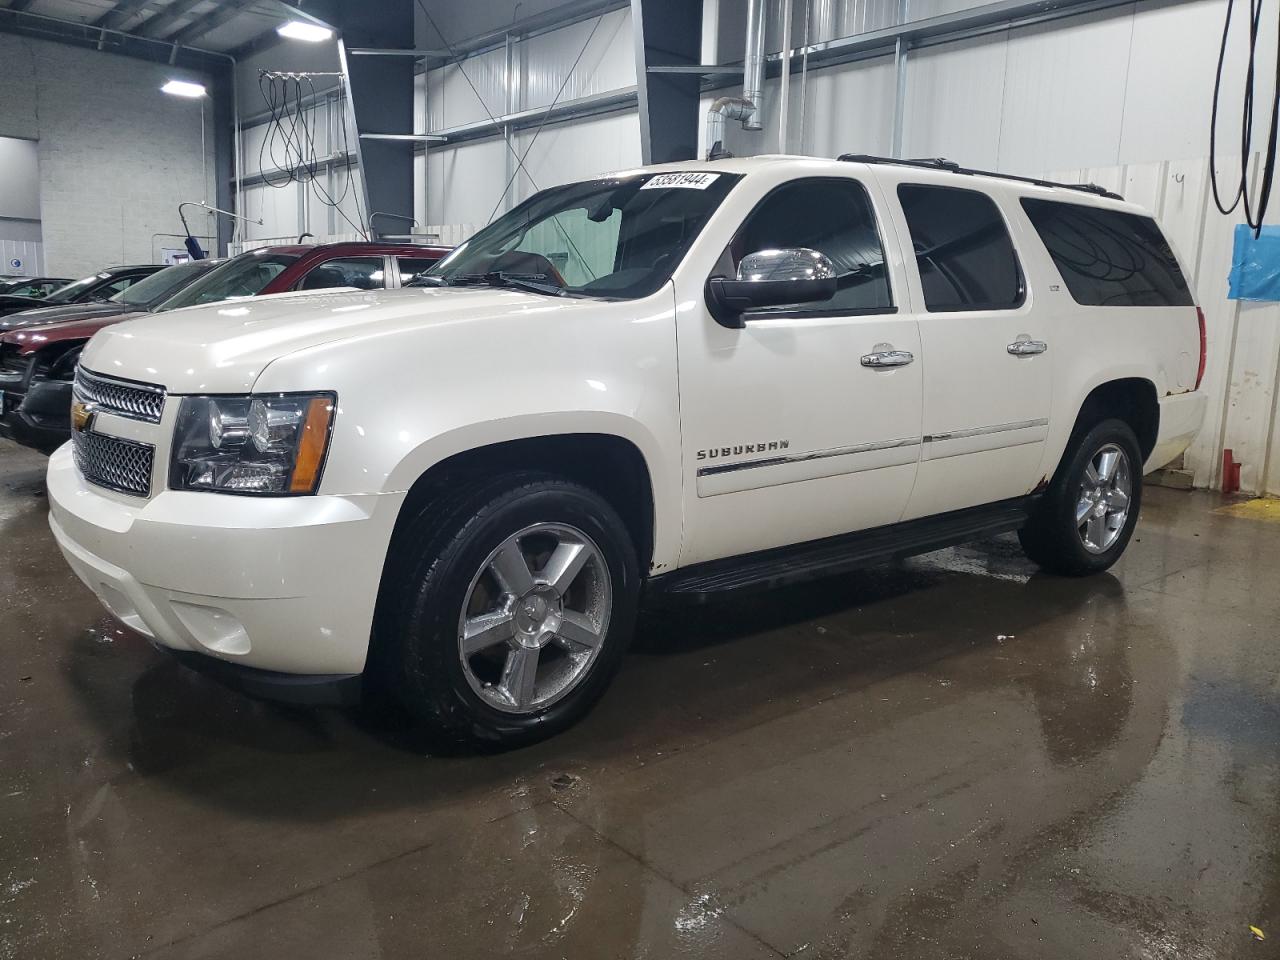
(464, 182)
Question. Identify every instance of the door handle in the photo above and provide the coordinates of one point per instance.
(1026, 347)
(887, 358)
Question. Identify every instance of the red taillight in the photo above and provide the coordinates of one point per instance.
(1203, 348)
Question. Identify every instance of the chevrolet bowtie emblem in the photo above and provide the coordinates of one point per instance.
(82, 416)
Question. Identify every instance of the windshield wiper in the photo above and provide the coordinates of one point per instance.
(530, 282)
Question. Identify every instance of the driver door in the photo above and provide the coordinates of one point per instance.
(788, 433)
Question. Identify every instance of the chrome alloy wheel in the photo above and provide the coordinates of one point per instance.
(535, 617)
(1103, 504)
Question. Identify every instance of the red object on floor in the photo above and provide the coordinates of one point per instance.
(1230, 472)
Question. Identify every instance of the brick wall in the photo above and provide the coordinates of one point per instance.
(116, 154)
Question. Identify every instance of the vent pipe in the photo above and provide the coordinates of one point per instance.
(747, 107)
(753, 64)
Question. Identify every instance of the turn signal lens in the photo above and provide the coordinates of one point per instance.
(312, 447)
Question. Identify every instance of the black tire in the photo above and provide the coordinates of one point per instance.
(1051, 537)
(416, 645)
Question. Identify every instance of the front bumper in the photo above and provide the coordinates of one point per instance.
(1181, 415)
(39, 417)
(286, 585)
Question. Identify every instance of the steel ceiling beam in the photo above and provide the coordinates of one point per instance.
(224, 12)
(120, 13)
(169, 17)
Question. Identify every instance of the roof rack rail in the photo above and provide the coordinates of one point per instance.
(940, 163)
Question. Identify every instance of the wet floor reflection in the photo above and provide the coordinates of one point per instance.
(948, 757)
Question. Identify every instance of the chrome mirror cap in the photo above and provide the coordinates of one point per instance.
(788, 263)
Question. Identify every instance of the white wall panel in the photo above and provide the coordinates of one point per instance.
(955, 95)
(464, 182)
(608, 60)
(1063, 93)
(459, 93)
(1169, 83)
(565, 152)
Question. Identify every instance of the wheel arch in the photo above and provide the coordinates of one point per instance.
(1131, 399)
(610, 464)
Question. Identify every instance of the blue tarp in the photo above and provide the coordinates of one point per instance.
(1255, 265)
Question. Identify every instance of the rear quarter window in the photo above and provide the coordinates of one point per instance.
(1109, 258)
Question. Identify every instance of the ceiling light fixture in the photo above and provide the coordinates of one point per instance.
(183, 88)
(301, 30)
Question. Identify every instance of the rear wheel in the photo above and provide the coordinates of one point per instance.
(514, 611)
(1086, 518)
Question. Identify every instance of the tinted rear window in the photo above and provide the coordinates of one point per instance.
(1109, 258)
(963, 249)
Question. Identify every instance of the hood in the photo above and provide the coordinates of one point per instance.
(61, 314)
(223, 347)
(30, 339)
(10, 304)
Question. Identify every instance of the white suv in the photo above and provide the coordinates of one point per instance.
(693, 378)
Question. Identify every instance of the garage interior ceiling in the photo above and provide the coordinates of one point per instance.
(225, 26)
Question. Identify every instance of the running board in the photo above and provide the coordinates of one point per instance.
(834, 555)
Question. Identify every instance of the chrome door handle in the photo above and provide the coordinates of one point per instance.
(887, 358)
(1027, 347)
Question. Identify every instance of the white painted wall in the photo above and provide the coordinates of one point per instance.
(116, 155)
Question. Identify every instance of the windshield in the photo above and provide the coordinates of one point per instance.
(161, 284)
(243, 276)
(617, 238)
(69, 293)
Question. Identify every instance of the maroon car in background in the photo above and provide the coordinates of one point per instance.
(37, 364)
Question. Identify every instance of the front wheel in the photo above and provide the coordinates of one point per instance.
(1084, 521)
(514, 613)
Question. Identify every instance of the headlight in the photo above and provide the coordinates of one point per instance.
(272, 445)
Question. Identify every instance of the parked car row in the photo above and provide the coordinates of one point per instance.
(98, 286)
(39, 348)
(35, 287)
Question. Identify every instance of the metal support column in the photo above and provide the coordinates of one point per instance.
(667, 33)
(381, 91)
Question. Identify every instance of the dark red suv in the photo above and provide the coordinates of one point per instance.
(37, 364)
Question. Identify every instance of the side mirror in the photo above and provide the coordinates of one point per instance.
(771, 278)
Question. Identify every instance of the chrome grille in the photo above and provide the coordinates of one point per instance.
(113, 462)
(137, 401)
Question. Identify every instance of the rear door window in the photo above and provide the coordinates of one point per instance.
(363, 273)
(1109, 258)
(962, 248)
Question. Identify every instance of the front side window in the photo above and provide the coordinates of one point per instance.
(618, 238)
(963, 249)
(363, 273)
(1109, 258)
(833, 216)
(242, 276)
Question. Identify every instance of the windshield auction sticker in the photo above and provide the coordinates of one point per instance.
(687, 181)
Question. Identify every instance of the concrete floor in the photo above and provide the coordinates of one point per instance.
(951, 757)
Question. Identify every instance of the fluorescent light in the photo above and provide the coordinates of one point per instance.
(301, 30)
(181, 88)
